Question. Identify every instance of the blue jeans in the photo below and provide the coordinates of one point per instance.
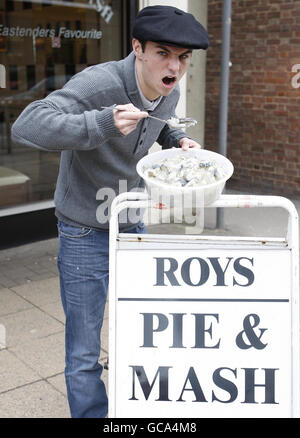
(83, 263)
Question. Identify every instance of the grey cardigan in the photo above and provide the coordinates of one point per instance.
(95, 155)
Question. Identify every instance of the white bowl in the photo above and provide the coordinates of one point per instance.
(171, 195)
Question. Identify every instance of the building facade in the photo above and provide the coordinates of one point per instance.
(264, 94)
(42, 44)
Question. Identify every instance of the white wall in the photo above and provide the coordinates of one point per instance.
(196, 77)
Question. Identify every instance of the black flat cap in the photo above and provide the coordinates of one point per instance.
(170, 26)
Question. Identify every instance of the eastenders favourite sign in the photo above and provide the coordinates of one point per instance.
(203, 332)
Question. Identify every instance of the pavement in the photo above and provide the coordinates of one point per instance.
(32, 321)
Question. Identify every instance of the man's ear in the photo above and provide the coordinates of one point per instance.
(137, 48)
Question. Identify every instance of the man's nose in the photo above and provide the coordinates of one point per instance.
(174, 64)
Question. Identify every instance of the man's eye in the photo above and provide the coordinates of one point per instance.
(162, 53)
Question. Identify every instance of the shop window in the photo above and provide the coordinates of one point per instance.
(42, 45)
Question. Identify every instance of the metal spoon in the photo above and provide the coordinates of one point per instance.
(174, 122)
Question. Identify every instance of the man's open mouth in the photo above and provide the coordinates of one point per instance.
(169, 80)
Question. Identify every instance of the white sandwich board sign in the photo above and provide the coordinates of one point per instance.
(204, 326)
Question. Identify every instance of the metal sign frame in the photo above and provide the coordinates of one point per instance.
(290, 242)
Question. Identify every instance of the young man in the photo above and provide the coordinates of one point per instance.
(101, 147)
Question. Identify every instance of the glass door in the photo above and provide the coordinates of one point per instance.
(42, 44)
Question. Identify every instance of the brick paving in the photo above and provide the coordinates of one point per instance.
(30, 262)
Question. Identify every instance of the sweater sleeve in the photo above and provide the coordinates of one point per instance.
(169, 138)
(66, 119)
(43, 126)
